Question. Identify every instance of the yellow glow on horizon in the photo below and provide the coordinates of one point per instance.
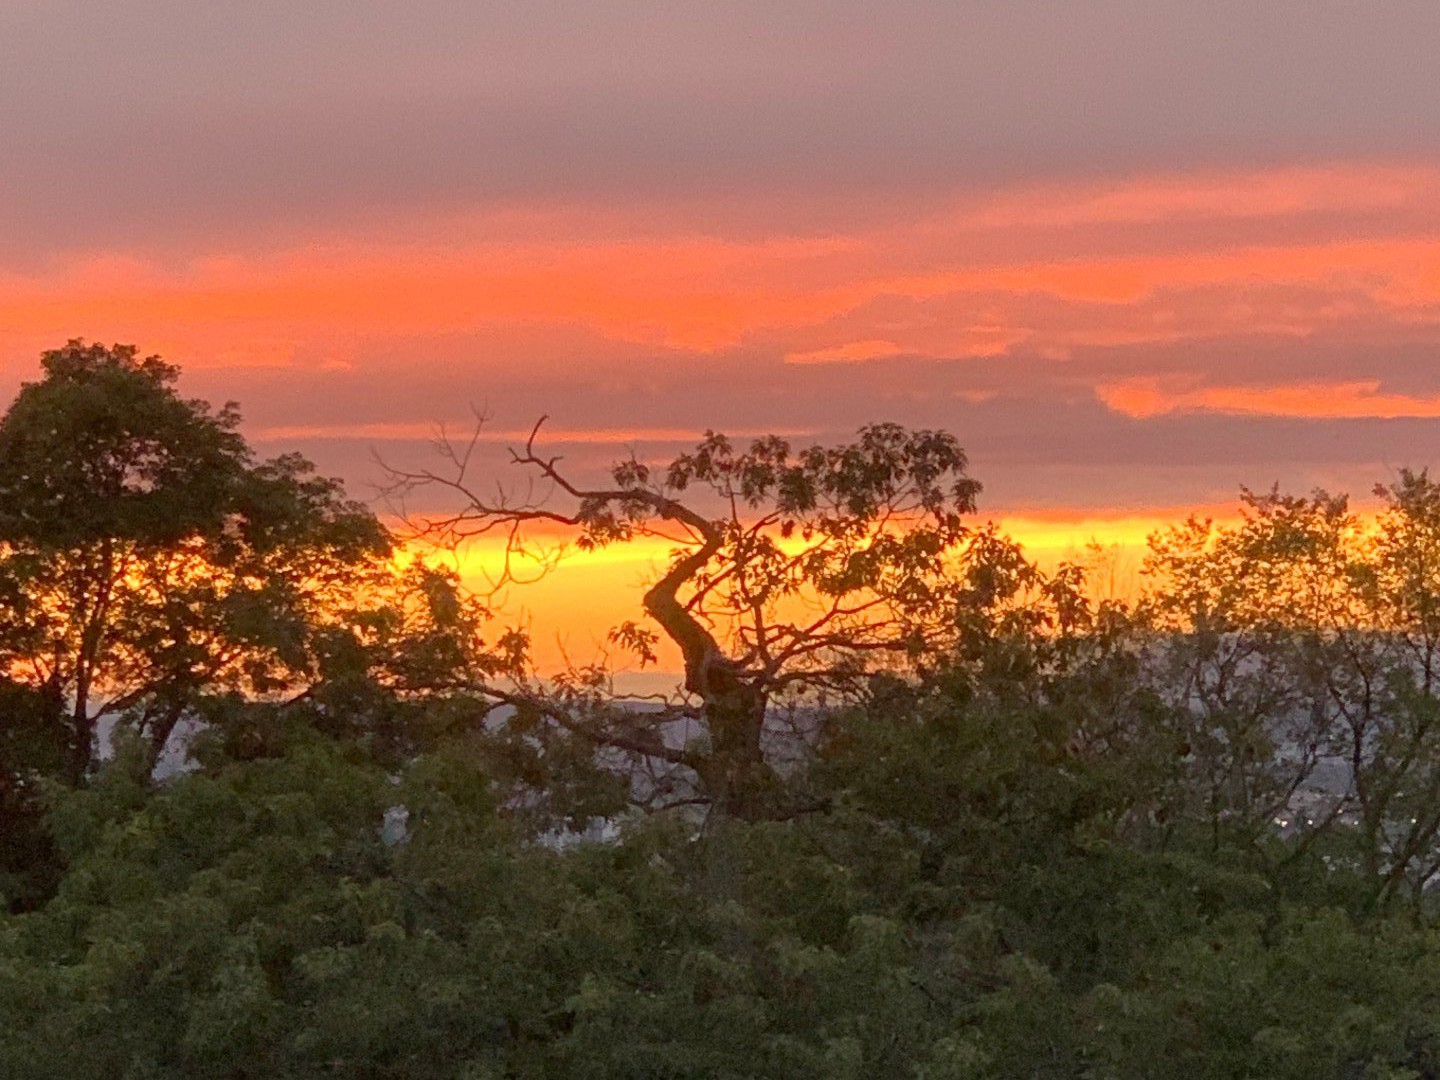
(1063, 534)
(570, 608)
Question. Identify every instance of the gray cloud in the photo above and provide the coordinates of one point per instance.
(153, 121)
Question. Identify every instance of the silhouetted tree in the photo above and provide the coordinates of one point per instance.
(793, 573)
(1300, 642)
(148, 559)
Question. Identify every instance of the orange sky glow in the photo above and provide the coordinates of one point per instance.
(1048, 271)
(1037, 276)
(1133, 261)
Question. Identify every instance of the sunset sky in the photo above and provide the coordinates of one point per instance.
(1134, 254)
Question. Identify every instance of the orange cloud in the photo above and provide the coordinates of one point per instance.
(1114, 263)
(1144, 397)
(263, 315)
(850, 353)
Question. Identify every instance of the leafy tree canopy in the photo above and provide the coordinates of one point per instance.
(924, 811)
(153, 571)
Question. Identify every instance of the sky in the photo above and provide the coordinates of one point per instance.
(1134, 253)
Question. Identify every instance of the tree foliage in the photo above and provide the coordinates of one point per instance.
(1013, 830)
(792, 573)
(149, 559)
(154, 574)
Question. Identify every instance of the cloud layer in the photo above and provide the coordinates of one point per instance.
(1133, 255)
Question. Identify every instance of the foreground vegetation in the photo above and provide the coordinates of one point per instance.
(921, 811)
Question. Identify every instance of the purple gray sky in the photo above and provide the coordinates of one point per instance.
(1133, 253)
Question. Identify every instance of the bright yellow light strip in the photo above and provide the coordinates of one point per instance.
(570, 608)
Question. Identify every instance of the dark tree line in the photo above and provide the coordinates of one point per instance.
(275, 805)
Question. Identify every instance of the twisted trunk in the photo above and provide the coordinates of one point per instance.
(735, 771)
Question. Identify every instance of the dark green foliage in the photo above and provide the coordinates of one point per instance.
(32, 747)
(262, 919)
(1054, 838)
(148, 563)
(102, 447)
(154, 575)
